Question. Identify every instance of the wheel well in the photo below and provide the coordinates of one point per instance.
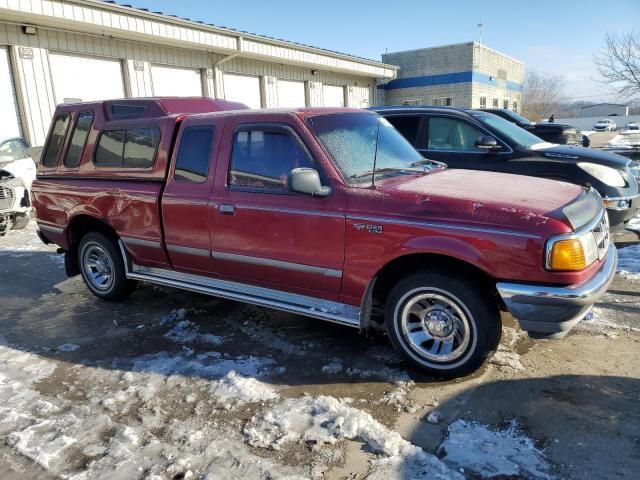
(78, 228)
(407, 265)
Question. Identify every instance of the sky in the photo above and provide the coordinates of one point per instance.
(559, 36)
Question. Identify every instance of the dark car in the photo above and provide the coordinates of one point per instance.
(559, 133)
(478, 140)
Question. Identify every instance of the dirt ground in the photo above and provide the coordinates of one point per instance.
(174, 385)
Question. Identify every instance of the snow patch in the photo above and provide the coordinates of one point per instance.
(233, 389)
(327, 420)
(508, 359)
(67, 347)
(492, 453)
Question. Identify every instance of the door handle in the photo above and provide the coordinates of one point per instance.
(227, 209)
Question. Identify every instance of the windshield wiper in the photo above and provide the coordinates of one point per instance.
(426, 161)
(386, 170)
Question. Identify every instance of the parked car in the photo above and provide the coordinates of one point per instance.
(483, 141)
(559, 133)
(605, 125)
(632, 126)
(17, 172)
(628, 145)
(319, 212)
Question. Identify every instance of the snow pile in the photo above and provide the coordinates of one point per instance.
(67, 347)
(629, 262)
(493, 453)
(327, 420)
(125, 423)
(234, 389)
(506, 358)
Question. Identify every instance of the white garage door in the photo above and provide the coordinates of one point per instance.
(291, 94)
(242, 88)
(85, 79)
(333, 96)
(9, 119)
(176, 82)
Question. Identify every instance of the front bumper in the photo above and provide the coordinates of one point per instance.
(619, 216)
(550, 312)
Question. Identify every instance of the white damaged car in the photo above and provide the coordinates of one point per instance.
(17, 172)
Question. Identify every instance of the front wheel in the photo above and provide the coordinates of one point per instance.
(445, 325)
(102, 267)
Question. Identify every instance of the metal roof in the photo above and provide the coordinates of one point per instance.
(201, 24)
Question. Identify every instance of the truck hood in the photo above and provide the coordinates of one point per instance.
(487, 198)
(581, 154)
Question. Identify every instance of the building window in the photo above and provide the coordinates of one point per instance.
(483, 102)
(515, 107)
(412, 102)
(505, 104)
(496, 102)
(443, 101)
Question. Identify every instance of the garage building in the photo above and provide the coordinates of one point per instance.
(55, 51)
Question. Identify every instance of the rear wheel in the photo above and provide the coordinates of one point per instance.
(102, 267)
(20, 221)
(442, 324)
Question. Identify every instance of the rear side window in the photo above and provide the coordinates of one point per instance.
(194, 154)
(54, 146)
(78, 140)
(408, 126)
(262, 159)
(110, 148)
(131, 147)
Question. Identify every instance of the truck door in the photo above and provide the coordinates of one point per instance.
(186, 196)
(262, 232)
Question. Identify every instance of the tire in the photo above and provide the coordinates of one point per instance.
(20, 221)
(102, 268)
(464, 328)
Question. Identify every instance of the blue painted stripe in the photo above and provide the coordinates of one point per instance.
(447, 79)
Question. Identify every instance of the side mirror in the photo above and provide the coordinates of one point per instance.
(307, 180)
(487, 142)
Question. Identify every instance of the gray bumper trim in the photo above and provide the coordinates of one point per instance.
(550, 311)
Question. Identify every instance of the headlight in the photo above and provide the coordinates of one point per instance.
(572, 254)
(607, 175)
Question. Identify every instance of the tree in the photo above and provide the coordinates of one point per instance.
(619, 63)
(541, 93)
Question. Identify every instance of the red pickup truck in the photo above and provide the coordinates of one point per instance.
(327, 213)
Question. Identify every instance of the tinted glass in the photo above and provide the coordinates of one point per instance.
(407, 126)
(52, 152)
(510, 130)
(140, 147)
(128, 111)
(263, 159)
(109, 150)
(194, 155)
(78, 140)
(450, 134)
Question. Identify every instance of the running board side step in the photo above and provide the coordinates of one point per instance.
(265, 297)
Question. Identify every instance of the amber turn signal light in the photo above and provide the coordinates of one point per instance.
(568, 255)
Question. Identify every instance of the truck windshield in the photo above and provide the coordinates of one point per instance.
(366, 147)
(509, 130)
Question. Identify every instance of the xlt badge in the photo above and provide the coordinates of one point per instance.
(376, 229)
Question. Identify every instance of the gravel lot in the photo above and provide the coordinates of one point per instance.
(173, 385)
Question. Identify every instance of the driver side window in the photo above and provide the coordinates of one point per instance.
(261, 158)
(450, 134)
